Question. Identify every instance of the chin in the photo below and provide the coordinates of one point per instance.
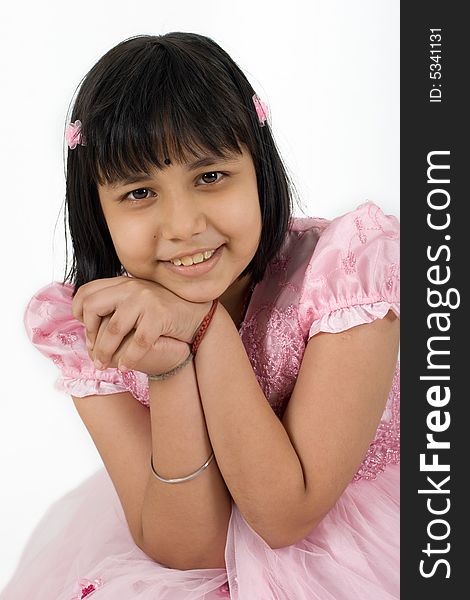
(199, 298)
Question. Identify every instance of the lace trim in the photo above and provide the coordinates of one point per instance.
(385, 449)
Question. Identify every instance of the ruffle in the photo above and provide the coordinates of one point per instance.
(350, 316)
(354, 265)
(94, 383)
(54, 331)
(352, 553)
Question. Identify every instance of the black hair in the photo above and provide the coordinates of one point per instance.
(153, 97)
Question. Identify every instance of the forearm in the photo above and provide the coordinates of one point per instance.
(184, 524)
(254, 452)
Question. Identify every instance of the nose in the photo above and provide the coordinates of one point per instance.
(180, 216)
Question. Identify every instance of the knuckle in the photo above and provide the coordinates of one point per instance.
(141, 340)
(146, 291)
(114, 327)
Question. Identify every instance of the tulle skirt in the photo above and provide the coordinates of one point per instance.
(82, 548)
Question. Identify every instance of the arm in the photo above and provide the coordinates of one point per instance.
(280, 474)
(184, 525)
(119, 426)
(336, 406)
(255, 455)
(180, 525)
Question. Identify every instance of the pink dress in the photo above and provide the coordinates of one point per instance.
(329, 276)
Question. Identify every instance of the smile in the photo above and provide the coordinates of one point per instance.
(187, 261)
(194, 268)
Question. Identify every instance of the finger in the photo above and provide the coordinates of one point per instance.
(121, 323)
(103, 302)
(114, 361)
(102, 327)
(85, 290)
(99, 335)
(146, 335)
(92, 323)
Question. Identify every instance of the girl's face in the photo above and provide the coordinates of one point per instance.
(181, 209)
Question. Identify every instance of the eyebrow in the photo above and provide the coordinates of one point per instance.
(205, 161)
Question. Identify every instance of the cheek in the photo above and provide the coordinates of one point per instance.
(130, 238)
(252, 213)
(246, 223)
(242, 207)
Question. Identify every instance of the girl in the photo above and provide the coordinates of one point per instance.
(236, 367)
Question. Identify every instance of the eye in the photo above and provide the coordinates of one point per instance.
(211, 175)
(139, 194)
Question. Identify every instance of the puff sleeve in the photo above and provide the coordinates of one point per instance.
(353, 274)
(56, 333)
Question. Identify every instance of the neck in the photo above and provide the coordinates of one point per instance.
(233, 299)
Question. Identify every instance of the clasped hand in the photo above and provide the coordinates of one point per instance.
(136, 323)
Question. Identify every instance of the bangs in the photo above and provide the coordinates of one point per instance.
(146, 116)
(143, 149)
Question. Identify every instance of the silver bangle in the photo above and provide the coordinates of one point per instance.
(173, 371)
(180, 479)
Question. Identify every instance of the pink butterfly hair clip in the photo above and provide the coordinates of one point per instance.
(73, 135)
(262, 109)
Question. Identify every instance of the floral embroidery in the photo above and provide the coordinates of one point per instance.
(39, 335)
(275, 347)
(136, 387)
(392, 275)
(57, 360)
(288, 285)
(67, 339)
(87, 587)
(224, 591)
(278, 265)
(349, 263)
(360, 230)
(385, 448)
(375, 214)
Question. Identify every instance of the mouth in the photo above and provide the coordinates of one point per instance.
(194, 258)
(196, 269)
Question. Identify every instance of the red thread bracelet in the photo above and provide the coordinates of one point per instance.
(203, 327)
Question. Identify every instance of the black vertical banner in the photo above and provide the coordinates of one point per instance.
(435, 165)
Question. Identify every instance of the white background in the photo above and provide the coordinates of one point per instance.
(329, 72)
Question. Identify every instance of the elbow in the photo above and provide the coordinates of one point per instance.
(170, 550)
(289, 523)
(298, 523)
(287, 532)
(288, 537)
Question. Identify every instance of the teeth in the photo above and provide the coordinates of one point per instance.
(187, 261)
